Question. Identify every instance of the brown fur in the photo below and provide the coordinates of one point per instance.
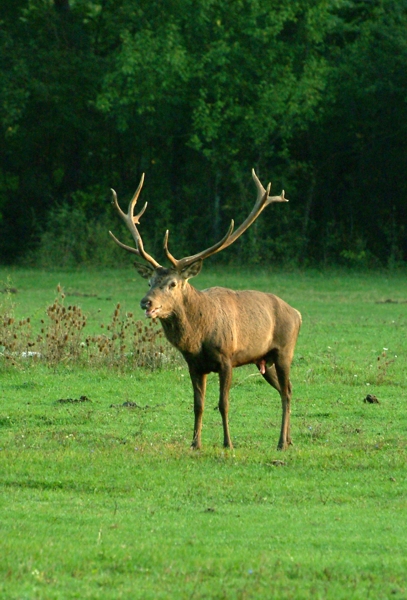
(218, 329)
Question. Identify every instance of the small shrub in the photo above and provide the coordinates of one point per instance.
(124, 343)
(71, 237)
(61, 337)
(15, 338)
(129, 341)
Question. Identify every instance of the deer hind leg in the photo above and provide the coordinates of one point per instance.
(278, 376)
(225, 380)
(199, 387)
(283, 376)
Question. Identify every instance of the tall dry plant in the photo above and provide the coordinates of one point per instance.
(15, 335)
(125, 341)
(61, 337)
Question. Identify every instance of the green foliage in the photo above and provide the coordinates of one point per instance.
(311, 93)
(102, 498)
(72, 238)
(364, 151)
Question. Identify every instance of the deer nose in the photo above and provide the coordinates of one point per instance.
(145, 303)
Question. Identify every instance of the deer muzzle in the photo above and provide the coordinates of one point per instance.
(150, 310)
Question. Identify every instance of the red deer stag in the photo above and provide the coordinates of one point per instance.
(218, 329)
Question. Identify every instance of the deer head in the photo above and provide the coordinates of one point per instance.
(167, 285)
(167, 288)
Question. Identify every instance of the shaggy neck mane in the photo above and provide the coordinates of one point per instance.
(190, 318)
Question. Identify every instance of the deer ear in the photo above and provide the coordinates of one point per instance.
(145, 270)
(192, 270)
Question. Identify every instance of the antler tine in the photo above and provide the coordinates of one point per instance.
(168, 254)
(116, 204)
(263, 200)
(128, 248)
(131, 221)
(133, 203)
(261, 192)
(188, 260)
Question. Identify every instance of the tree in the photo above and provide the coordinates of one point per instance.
(211, 90)
(358, 150)
(195, 93)
(49, 127)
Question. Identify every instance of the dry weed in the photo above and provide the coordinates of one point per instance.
(129, 341)
(125, 341)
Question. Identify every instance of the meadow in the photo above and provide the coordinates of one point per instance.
(101, 496)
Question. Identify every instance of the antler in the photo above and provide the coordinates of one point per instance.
(263, 200)
(131, 221)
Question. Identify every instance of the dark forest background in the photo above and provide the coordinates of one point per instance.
(311, 93)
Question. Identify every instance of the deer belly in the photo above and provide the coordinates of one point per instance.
(203, 362)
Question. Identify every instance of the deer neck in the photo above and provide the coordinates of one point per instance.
(186, 326)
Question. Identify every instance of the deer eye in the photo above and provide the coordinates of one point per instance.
(173, 284)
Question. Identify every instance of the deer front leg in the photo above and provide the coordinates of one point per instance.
(225, 380)
(199, 387)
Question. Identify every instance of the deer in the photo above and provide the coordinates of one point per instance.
(218, 329)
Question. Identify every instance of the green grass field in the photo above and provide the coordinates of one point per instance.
(101, 500)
